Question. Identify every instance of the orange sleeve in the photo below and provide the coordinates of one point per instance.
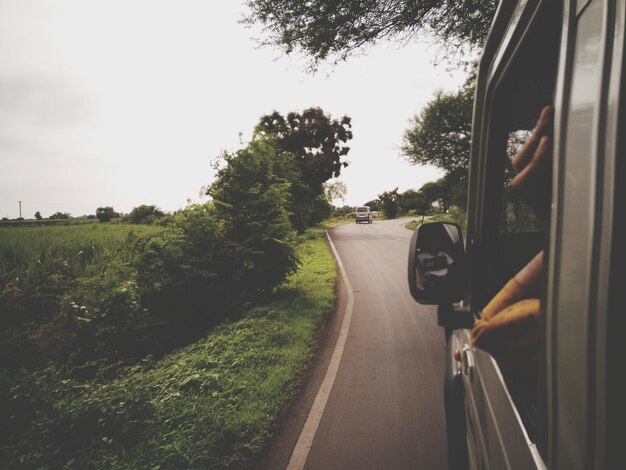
(508, 295)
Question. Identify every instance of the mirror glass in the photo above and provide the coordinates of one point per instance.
(436, 263)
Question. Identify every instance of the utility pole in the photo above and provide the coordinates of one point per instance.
(20, 209)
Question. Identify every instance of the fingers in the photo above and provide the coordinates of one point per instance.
(511, 331)
(509, 294)
(545, 122)
(542, 128)
(537, 167)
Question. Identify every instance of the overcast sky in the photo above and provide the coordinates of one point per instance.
(126, 102)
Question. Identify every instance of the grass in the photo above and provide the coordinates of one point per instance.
(46, 222)
(30, 252)
(212, 404)
(454, 216)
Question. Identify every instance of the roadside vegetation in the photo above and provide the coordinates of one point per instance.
(211, 404)
(135, 342)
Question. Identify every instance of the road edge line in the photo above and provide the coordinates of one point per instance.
(301, 450)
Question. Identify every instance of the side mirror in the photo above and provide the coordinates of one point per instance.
(437, 264)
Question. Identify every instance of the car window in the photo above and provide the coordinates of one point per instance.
(517, 218)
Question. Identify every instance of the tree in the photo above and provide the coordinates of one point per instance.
(60, 215)
(415, 201)
(145, 214)
(335, 190)
(316, 141)
(251, 198)
(441, 134)
(38, 215)
(374, 205)
(389, 202)
(331, 28)
(315, 144)
(105, 214)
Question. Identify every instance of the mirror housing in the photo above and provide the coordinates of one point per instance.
(436, 270)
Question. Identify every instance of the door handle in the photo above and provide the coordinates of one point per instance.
(467, 361)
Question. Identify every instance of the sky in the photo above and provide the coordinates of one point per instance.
(127, 102)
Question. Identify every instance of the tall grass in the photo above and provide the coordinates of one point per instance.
(29, 254)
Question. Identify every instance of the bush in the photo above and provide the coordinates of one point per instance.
(252, 199)
(185, 274)
(105, 214)
(145, 214)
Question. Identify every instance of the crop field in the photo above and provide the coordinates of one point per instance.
(30, 254)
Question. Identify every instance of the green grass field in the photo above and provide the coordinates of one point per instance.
(214, 403)
(29, 253)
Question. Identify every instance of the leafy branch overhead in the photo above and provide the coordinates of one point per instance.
(336, 28)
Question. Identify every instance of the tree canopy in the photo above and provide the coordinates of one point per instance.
(145, 214)
(336, 28)
(313, 145)
(389, 203)
(60, 215)
(441, 134)
(105, 214)
(314, 138)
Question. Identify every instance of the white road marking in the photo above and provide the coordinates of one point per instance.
(305, 440)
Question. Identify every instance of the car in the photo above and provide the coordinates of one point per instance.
(363, 214)
(562, 405)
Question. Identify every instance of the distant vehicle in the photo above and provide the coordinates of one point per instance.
(363, 214)
(562, 405)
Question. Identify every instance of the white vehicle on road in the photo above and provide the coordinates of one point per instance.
(363, 214)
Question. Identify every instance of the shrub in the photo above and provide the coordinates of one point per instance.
(145, 214)
(105, 214)
(252, 199)
(184, 273)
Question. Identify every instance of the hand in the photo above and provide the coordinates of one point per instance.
(533, 164)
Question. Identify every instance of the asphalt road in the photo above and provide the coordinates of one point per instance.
(385, 408)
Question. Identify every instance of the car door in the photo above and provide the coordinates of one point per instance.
(585, 318)
(517, 78)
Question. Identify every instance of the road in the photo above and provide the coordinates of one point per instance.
(384, 409)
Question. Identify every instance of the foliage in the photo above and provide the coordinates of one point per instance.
(344, 212)
(374, 205)
(38, 215)
(454, 215)
(316, 144)
(413, 201)
(212, 404)
(105, 214)
(145, 214)
(185, 273)
(324, 28)
(251, 198)
(441, 134)
(44, 271)
(60, 215)
(389, 203)
(335, 190)
(45, 222)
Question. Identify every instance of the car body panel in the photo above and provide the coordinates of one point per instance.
(588, 143)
